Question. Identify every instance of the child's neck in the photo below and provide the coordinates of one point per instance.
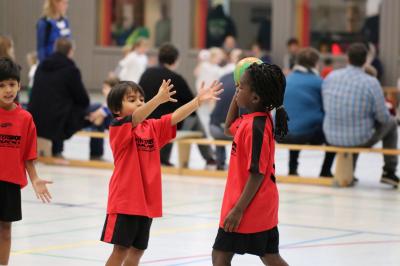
(256, 109)
(8, 107)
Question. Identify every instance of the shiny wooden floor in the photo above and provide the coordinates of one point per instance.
(318, 225)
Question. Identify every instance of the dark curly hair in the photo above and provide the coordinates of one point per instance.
(269, 83)
(117, 93)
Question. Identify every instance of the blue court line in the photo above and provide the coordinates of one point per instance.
(319, 239)
(67, 205)
(338, 229)
(190, 262)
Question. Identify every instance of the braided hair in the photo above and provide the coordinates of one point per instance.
(269, 83)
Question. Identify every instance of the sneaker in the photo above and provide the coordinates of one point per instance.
(97, 158)
(211, 164)
(326, 175)
(221, 167)
(293, 172)
(167, 163)
(390, 178)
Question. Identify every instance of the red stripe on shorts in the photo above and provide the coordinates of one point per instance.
(111, 219)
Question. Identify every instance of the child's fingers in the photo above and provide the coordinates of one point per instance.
(173, 100)
(47, 196)
(218, 92)
(168, 82)
(202, 85)
(172, 93)
(170, 87)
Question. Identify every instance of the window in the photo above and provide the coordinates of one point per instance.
(247, 21)
(331, 26)
(121, 22)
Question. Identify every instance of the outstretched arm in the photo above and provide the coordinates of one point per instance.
(204, 95)
(234, 217)
(164, 95)
(39, 185)
(233, 114)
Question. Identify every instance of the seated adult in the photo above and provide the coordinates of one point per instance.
(218, 117)
(355, 111)
(59, 99)
(150, 82)
(303, 104)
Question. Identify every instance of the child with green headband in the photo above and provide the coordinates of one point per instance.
(249, 215)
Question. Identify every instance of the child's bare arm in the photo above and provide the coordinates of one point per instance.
(204, 95)
(233, 114)
(39, 185)
(232, 221)
(164, 95)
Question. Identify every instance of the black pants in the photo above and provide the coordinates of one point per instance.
(96, 144)
(315, 138)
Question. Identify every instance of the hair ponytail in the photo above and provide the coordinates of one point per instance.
(269, 83)
(281, 125)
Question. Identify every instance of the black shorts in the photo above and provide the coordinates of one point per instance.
(10, 202)
(266, 242)
(127, 230)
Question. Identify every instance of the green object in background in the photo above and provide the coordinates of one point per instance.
(242, 65)
(136, 34)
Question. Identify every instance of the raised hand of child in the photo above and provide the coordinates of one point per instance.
(165, 93)
(210, 93)
(40, 187)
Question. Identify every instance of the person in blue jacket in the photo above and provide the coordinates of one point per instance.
(303, 103)
(51, 26)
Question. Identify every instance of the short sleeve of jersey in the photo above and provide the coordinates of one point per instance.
(235, 125)
(163, 129)
(121, 132)
(30, 152)
(257, 146)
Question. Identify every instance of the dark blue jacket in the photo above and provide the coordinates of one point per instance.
(47, 32)
(220, 111)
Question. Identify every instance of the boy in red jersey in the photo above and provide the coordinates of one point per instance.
(135, 187)
(249, 215)
(17, 152)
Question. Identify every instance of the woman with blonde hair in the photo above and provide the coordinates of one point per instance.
(6, 47)
(51, 26)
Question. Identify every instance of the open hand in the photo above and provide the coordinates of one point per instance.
(165, 93)
(96, 117)
(39, 185)
(232, 220)
(210, 93)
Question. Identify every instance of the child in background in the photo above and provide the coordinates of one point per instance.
(328, 67)
(208, 68)
(6, 47)
(249, 215)
(17, 153)
(390, 104)
(132, 66)
(100, 117)
(135, 196)
(33, 63)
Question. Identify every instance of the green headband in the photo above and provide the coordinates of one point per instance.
(242, 65)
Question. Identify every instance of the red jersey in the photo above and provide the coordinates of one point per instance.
(135, 186)
(17, 144)
(253, 151)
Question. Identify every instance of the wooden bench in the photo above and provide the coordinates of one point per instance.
(343, 171)
(44, 151)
